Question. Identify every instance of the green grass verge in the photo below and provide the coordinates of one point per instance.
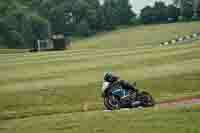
(175, 120)
(12, 51)
(138, 36)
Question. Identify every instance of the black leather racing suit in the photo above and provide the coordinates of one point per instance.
(126, 85)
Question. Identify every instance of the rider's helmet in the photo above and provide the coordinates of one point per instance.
(110, 77)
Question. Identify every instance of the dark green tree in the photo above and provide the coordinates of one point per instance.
(125, 12)
(147, 15)
(173, 13)
(83, 28)
(160, 11)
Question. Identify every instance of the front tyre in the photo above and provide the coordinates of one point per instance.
(111, 102)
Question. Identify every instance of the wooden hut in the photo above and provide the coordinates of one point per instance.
(61, 42)
(57, 42)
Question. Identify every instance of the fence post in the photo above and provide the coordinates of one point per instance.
(39, 47)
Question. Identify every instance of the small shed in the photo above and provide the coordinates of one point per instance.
(42, 45)
(61, 42)
(57, 42)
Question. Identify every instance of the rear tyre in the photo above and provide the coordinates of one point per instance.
(146, 99)
(112, 102)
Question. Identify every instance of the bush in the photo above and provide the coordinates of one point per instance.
(83, 28)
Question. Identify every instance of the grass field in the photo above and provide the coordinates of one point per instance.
(46, 92)
(138, 36)
(180, 120)
(12, 51)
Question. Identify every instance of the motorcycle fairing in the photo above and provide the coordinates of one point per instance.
(119, 91)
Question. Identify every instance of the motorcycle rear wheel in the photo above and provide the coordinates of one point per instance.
(146, 99)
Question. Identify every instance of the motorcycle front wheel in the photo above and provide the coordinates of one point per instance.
(112, 102)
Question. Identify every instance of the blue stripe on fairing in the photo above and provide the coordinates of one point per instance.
(120, 93)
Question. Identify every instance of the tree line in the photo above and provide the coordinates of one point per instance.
(23, 22)
(183, 10)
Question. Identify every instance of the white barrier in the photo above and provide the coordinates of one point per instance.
(194, 35)
(173, 41)
(188, 37)
(166, 43)
(181, 39)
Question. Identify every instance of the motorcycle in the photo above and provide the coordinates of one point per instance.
(115, 97)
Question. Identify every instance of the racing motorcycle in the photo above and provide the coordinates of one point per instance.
(115, 97)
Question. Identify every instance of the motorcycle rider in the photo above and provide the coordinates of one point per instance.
(113, 78)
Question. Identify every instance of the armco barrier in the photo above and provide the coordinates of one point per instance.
(184, 39)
